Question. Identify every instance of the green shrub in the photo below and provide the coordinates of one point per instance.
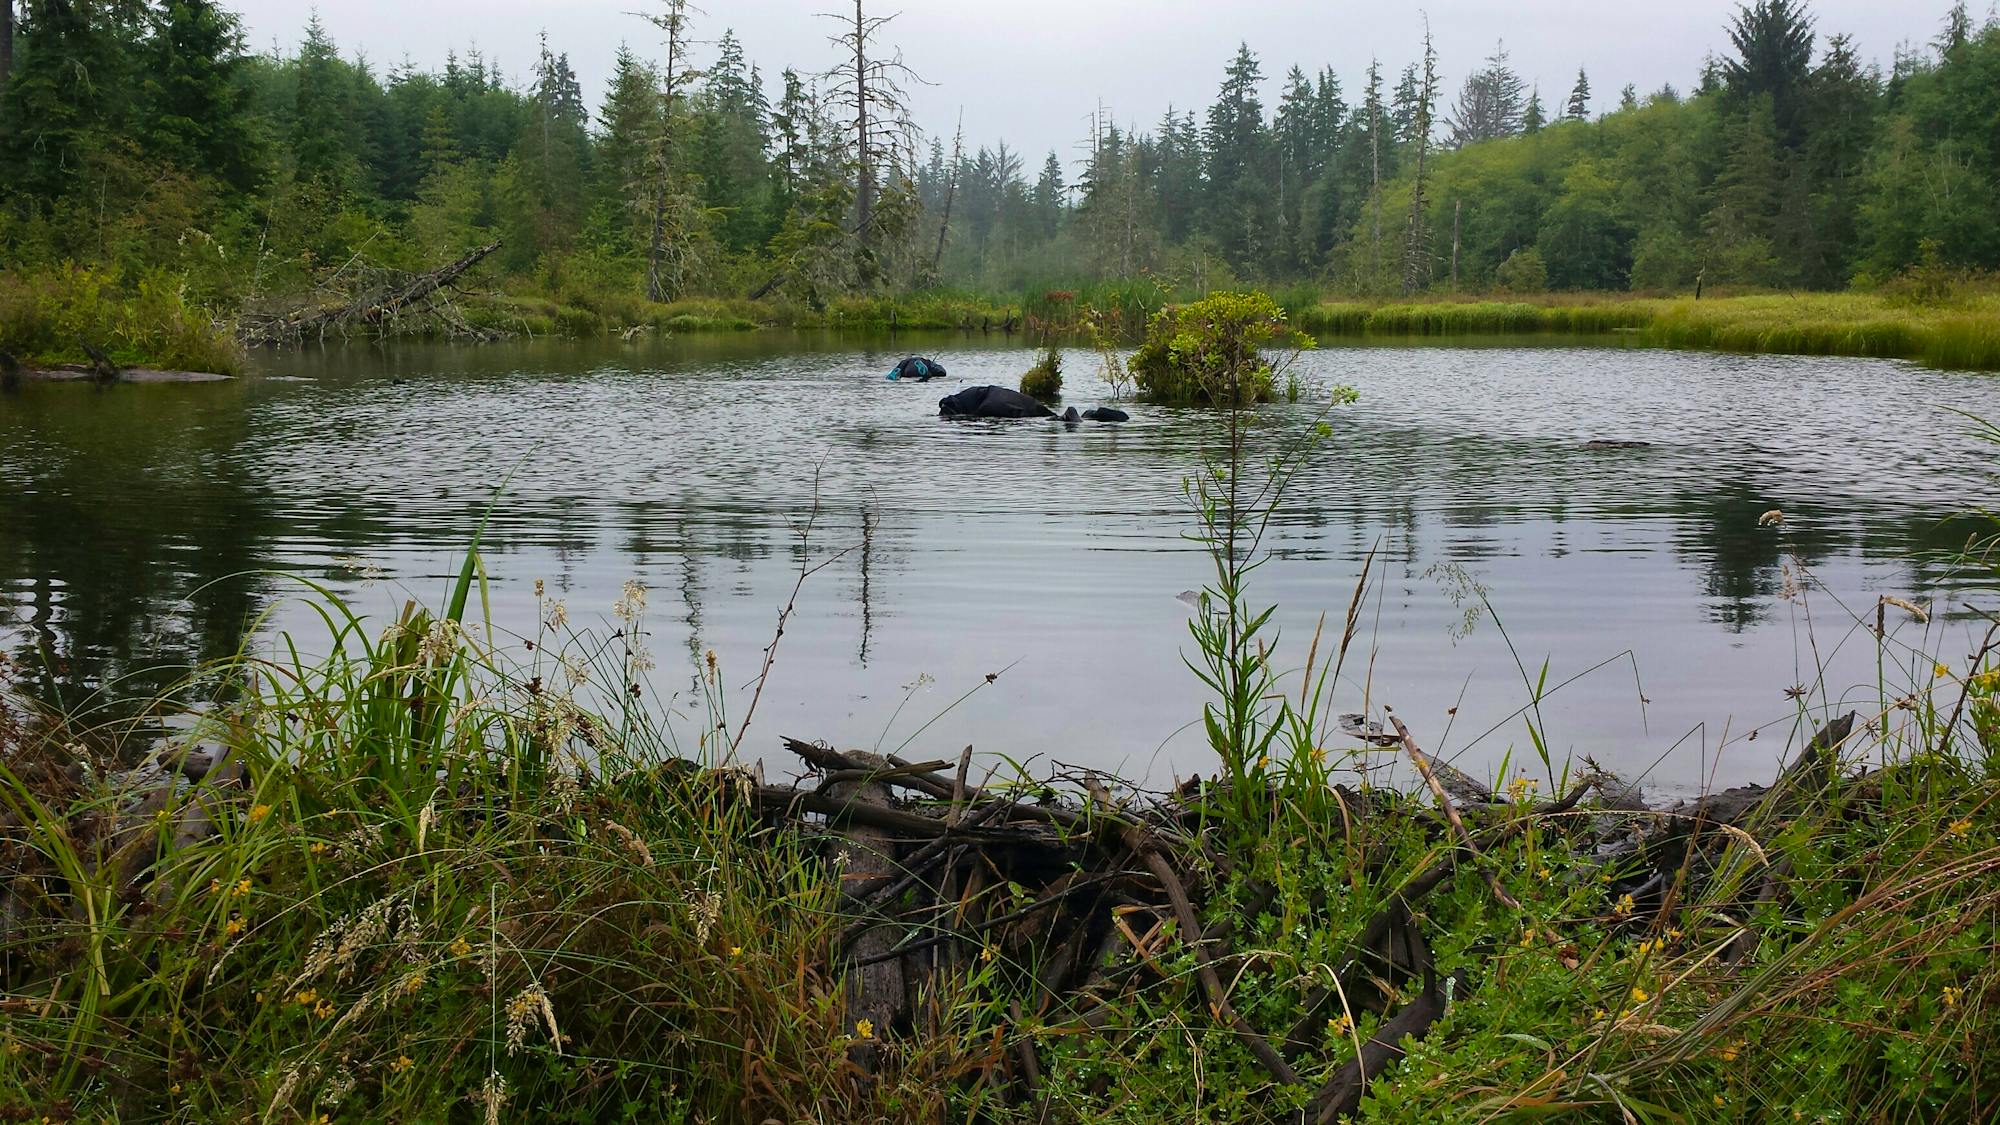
(1043, 382)
(1524, 271)
(1211, 352)
(47, 316)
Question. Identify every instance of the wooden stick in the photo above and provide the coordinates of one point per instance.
(1451, 813)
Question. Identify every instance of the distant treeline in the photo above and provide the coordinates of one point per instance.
(139, 138)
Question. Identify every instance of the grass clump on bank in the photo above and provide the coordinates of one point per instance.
(1961, 333)
(419, 876)
(46, 316)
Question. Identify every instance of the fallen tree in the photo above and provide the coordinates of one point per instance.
(383, 301)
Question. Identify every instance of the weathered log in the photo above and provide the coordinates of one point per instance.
(1341, 1094)
(875, 992)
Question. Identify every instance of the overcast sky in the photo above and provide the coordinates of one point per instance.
(1030, 71)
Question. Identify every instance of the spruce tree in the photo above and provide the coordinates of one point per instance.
(1048, 197)
(1774, 46)
(64, 105)
(627, 120)
(1532, 118)
(1578, 108)
(6, 48)
(324, 138)
(1489, 103)
(196, 105)
(1957, 31)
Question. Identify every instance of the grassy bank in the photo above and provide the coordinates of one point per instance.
(46, 317)
(1961, 334)
(152, 321)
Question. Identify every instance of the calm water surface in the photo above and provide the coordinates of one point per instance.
(144, 528)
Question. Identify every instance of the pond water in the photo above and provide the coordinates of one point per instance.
(147, 527)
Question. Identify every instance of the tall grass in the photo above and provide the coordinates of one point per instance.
(1963, 334)
(47, 316)
(437, 877)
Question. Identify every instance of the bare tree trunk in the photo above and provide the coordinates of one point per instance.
(1375, 193)
(6, 43)
(1457, 206)
(950, 190)
(864, 191)
(656, 281)
(1416, 252)
(658, 288)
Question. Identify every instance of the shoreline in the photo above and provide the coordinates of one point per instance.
(1958, 335)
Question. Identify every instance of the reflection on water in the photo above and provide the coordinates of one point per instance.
(145, 528)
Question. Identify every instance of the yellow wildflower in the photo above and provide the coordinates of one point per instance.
(736, 951)
(1718, 1100)
(1527, 939)
(402, 1064)
(1674, 934)
(241, 888)
(234, 926)
(1264, 762)
(174, 1089)
(259, 812)
(323, 1009)
(306, 997)
(1625, 906)
(1341, 1025)
(1728, 1051)
(986, 953)
(1959, 827)
(1648, 946)
(318, 847)
(864, 1029)
(1639, 995)
(1951, 995)
(458, 947)
(1944, 671)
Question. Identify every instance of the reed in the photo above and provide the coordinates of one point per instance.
(1957, 334)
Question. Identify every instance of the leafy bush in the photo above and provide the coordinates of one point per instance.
(1524, 271)
(47, 316)
(1211, 352)
(1043, 382)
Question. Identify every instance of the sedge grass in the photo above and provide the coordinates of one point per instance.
(1958, 335)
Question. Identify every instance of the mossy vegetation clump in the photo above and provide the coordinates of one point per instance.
(1043, 382)
(48, 316)
(1211, 352)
